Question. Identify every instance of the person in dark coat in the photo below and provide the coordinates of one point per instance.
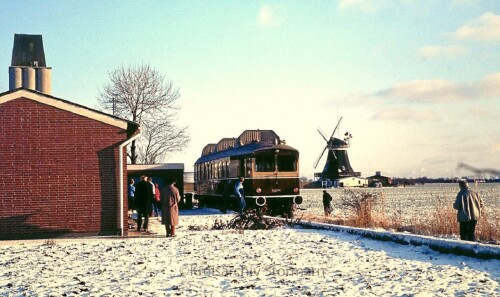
(327, 203)
(143, 201)
(169, 198)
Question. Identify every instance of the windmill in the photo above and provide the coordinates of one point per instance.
(337, 163)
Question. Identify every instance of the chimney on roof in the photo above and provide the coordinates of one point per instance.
(28, 69)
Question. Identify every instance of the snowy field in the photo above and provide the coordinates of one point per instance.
(408, 202)
(279, 262)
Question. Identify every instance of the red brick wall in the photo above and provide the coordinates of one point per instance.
(59, 172)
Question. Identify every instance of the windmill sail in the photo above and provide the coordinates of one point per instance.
(337, 164)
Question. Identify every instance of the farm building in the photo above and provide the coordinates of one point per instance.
(379, 180)
(63, 167)
(350, 182)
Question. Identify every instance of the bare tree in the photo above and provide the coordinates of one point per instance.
(141, 94)
(160, 139)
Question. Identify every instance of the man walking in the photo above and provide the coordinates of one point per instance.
(469, 208)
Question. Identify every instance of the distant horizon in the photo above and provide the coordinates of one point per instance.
(416, 82)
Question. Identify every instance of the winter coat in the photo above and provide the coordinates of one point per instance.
(469, 205)
(144, 196)
(327, 200)
(169, 198)
(239, 192)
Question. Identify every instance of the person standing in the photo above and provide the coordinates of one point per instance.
(170, 197)
(152, 193)
(239, 194)
(143, 199)
(131, 194)
(327, 203)
(156, 202)
(469, 206)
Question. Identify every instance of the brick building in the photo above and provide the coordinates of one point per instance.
(63, 167)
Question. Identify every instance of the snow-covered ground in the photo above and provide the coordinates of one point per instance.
(279, 262)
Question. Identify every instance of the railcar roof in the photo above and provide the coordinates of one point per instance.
(248, 149)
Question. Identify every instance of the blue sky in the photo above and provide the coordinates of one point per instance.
(417, 82)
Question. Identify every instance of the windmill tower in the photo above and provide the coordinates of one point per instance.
(28, 68)
(337, 163)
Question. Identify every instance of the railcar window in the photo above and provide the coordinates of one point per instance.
(287, 163)
(264, 163)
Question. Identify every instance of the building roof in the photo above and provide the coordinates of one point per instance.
(378, 176)
(28, 51)
(160, 166)
(69, 106)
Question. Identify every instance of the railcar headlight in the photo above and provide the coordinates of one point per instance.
(296, 190)
(258, 190)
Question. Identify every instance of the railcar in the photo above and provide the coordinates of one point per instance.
(270, 168)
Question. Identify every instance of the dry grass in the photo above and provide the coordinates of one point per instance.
(441, 222)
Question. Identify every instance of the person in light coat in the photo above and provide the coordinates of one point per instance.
(469, 206)
(239, 194)
(169, 198)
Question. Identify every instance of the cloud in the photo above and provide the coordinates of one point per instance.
(405, 114)
(270, 15)
(434, 51)
(444, 91)
(484, 28)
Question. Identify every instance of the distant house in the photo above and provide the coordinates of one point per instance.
(349, 182)
(63, 167)
(379, 180)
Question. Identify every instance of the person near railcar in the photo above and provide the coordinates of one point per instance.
(239, 194)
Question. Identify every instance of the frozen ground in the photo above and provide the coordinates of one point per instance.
(280, 262)
(407, 203)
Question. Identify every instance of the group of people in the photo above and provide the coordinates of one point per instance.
(147, 199)
(153, 195)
